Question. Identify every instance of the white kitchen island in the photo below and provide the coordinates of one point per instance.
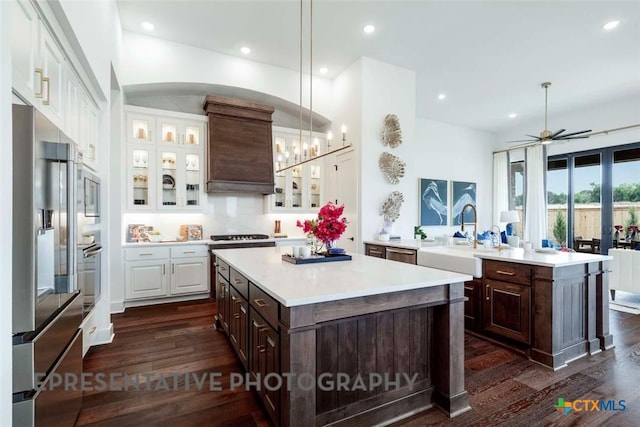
(358, 320)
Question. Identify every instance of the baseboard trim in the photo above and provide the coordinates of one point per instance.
(165, 300)
(117, 307)
(104, 336)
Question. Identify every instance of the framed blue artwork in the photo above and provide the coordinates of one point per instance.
(433, 202)
(463, 193)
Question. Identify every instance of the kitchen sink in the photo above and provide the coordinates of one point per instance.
(460, 259)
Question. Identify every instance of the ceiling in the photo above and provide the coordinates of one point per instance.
(489, 58)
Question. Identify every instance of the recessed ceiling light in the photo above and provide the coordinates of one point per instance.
(369, 29)
(513, 115)
(147, 26)
(324, 70)
(610, 25)
(442, 96)
(245, 50)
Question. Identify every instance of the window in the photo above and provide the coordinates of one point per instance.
(516, 193)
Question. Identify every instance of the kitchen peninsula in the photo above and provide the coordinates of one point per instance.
(347, 319)
(554, 306)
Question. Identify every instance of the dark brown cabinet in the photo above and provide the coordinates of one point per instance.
(221, 275)
(239, 155)
(239, 325)
(377, 251)
(265, 360)
(472, 306)
(507, 309)
(506, 302)
(409, 256)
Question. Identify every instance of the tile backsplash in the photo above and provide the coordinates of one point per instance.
(222, 214)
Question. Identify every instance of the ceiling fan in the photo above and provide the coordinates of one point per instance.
(547, 136)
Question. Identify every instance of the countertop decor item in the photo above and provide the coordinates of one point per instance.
(191, 232)
(392, 167)
(391, 133)
(328, 226)
(316, 258)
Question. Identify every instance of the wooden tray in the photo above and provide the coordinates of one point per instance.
(315, 259)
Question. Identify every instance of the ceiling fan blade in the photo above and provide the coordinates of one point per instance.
(533, 136)
(523, 140)
(556, 133)
(575, 133)
(573, 137)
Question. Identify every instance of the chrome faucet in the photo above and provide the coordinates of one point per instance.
(475, 223)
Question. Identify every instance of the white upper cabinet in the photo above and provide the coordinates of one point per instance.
(165, 159)
(53, 68)
(44, 77)
(24, 49)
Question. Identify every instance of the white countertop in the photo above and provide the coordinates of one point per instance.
(294, 285)
(403, 243)
(291, 239)
(557, 259)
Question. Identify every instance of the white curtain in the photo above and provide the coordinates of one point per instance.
(500, 185)
(536, 202)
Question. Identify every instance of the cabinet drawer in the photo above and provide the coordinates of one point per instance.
(239, 282)
(152, 252)
(508, 272)
(264, 304)
(377, 251)
(189, 251)
(223, 269)
(408, 256)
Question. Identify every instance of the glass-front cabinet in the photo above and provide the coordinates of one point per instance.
(165, 157)
(181, 178)
(140, 179)
(174, 131)
(298, 188)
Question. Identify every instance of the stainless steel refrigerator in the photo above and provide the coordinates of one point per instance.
(47, 305)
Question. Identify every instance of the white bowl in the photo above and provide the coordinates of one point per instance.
(154, 238)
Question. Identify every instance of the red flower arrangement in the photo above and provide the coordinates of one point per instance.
(328, 226)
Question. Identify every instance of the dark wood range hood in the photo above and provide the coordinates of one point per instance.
(239, 154)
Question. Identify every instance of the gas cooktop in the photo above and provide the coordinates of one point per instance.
(239, 236)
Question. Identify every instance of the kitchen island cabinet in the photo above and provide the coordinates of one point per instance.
(552, 306)
(359, 320)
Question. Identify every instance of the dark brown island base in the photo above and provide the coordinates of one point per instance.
(348, 343)
(555, 313)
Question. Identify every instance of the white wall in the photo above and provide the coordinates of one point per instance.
(6, 247)
(387, 89)
(455, 153)
(619, 113)
(150, 60)
(92, 22)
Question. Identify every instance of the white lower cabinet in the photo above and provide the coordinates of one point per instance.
(166, 271)
(189, 275)
(146, 279)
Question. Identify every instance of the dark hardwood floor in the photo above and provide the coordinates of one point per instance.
(505, 388)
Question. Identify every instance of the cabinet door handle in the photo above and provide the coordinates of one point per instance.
(237, 281)
(48, 99)
(242, 309)
(222, 268)
(505, 273)
(163, 265)
(374, 251)
(400, 251)
(233, 298)
(145, 254)
(487, 292)
(38, 71)
(173, 268)
(236, 316)
(149, 134)
(189, 252)
(260, 302)
(258, 326)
